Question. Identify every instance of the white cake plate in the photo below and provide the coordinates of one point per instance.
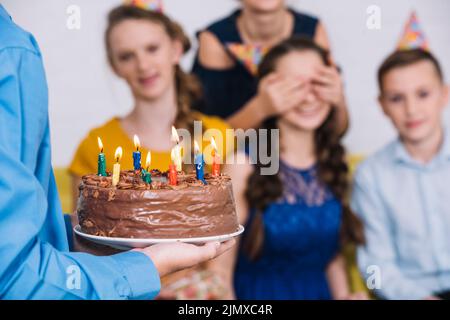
(130, 243)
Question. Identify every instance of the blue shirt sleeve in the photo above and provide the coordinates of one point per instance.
(35, 262)
(377, 258)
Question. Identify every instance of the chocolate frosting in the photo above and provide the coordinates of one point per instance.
(134, 209)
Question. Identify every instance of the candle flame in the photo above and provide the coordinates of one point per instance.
(137, 143)
(172, 155)
(213, 143)
(196, 147)
(118, 154)
(100, 144)
(148, 160)
(175, 137)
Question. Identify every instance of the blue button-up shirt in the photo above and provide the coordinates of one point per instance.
(34, 258)
(405, 207)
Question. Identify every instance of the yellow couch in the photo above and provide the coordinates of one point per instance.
(64, 188)
(356, 282)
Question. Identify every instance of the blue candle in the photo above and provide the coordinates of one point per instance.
(199, 163)
(137, 154)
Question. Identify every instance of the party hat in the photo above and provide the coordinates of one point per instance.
(413, 35)
(153, 5)
(247, 54)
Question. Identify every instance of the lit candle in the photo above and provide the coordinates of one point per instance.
(216, 159)
(101, 168)
(116, 168)
(199, 163)
(146, 175)
(137, 154)
(177, 149)
(173, 169)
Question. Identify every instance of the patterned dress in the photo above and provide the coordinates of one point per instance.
(301, 238)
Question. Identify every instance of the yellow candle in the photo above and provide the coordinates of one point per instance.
(116, 168)
(176, 149)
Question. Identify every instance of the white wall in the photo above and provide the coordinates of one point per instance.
(84, 93)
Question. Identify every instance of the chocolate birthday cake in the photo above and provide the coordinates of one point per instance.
(135, 209)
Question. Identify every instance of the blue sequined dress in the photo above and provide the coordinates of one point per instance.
(301, 238)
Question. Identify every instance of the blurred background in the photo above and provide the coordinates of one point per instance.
(85, 93)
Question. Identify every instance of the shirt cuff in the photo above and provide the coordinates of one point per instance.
(140, 273)
(69, 231)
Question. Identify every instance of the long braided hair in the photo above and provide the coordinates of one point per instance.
(262, 190)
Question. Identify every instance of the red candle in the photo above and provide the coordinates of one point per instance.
(172, 174)
(216, 159)
(173, 170)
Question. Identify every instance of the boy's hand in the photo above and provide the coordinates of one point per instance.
(171, 257)
(167, 257)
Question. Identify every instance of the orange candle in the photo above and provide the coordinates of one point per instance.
(216, 159)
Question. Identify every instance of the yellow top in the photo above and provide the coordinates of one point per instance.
(113, 136)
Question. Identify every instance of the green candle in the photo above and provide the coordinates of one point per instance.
(101, 160)
(146, 175)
